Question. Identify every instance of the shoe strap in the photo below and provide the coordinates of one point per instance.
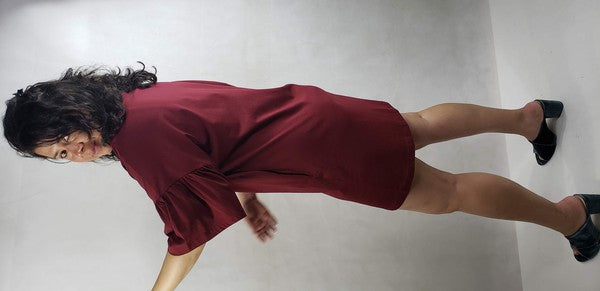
(587, 213)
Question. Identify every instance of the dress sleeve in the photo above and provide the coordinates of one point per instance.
(196, 208)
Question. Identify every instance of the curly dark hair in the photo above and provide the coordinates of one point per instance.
(82, 99)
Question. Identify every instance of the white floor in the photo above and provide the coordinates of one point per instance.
(91, 227)
(551, 50)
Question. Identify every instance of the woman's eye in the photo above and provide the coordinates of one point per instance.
(63, 154)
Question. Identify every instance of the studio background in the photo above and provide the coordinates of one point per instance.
(91, 226)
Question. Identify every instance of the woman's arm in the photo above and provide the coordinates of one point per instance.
(175, 268)
(245, 196)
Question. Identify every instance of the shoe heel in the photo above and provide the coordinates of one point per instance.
(552, 108)
(591, 201)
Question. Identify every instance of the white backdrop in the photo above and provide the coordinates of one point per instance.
(91, 227)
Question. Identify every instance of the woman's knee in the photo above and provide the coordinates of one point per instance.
(446, 195)
(452, 201)
(433, 191)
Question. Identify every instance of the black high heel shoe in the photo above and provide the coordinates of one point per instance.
(586, 240)
(544, 144)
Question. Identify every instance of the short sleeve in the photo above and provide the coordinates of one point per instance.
(196, 208)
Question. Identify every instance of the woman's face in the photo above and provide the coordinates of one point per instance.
(76, 147)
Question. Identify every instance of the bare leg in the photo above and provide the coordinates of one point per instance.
(451, 120)
(435, 191)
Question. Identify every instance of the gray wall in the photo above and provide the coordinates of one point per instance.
(551, 49)
(91, 227)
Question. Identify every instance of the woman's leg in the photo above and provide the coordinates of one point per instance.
(451, 120)
(435, 191)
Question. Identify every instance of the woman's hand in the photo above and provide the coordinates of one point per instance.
(259, 218)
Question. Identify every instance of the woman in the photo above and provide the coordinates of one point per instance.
(194, 145)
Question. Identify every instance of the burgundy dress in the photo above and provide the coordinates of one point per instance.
(192, 144)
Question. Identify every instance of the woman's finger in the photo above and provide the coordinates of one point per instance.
(261, 228)
(262, 237)
(259, 223)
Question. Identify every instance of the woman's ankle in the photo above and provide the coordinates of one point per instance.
(574, 213)
(533, 115)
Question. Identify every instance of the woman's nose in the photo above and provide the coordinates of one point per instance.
(76, 149)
